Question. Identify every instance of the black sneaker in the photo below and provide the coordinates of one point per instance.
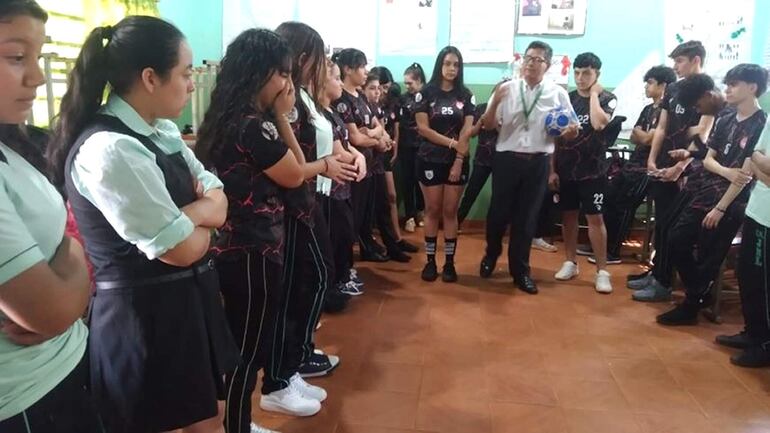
(429, 272)
(448, 274)
(740, 340)
(318, 364)
(584, 250)
(407, 247)
(399, 256)
(683, 314)
(335, 301)
(611, 260)
(753, 357)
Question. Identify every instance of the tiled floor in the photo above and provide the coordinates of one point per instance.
(481, 357)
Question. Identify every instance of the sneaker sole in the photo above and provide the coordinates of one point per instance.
(320, 373)
(544, 249)
(566, 279)
(359, 293)
(592, 261)
(584, 253)
(604, 292)
(651, 301)
(274, 407)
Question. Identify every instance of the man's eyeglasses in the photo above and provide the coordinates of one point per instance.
(535, 60)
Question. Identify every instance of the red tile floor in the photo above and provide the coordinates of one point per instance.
(479, 356)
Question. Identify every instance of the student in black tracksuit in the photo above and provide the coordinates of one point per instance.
(159, 341)
(482, 161)
(656, 286)
(444, 121)
(408, 143)
(367, 135)
(242, 140)
(698, 241)
(381, 202)
(337, 207)
(678, 125)
(390, 98)
(627, 190)
(753, 269)
(308, 265)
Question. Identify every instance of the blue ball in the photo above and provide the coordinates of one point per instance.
(557, 120)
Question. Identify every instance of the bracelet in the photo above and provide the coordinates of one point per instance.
(720, 210)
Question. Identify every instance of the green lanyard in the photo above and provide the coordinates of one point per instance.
(528, 110)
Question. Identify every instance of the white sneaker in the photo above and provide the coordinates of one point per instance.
(542, 245)
(568, 271)
(410, 225)
(603, 284)
(290, 401)
(310, 391)
(259, 429)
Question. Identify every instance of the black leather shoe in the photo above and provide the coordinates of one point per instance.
(399, 256)
(430, 272)
(526, 284)
(373, 256)
(487, 267)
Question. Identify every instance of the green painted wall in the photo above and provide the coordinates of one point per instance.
(619, 42)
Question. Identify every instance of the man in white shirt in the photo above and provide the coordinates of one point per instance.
(520, 166)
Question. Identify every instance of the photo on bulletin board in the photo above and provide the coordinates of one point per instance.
(483, 30)
(552, 17)
(408, 27)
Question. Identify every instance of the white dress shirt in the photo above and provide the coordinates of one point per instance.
(519, 134)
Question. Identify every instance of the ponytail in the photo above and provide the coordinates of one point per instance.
(85, 91)
(115, 56)
(416, 71)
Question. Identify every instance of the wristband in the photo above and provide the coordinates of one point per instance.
(720, 210)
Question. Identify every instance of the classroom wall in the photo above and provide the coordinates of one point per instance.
(620, 42)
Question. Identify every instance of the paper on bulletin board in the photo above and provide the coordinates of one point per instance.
(552, 17)
(724, 28)
(408, 27)
(239, 15)
(483, 30)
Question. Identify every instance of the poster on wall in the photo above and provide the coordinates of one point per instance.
(239, 15)
(552, 17)
(723, 27)
(408, 27)
(342, 23)
(483, 30)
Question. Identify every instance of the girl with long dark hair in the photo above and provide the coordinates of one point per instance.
(309, 266)
(444, 116)
(44, 285)
(367, 135)
(246, 136)
(386, 209)
(145, 206)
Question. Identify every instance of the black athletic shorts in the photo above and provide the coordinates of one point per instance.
(587, 195)
(437, 173)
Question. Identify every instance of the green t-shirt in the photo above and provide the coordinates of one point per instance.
(758, 208)
(32, 221)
